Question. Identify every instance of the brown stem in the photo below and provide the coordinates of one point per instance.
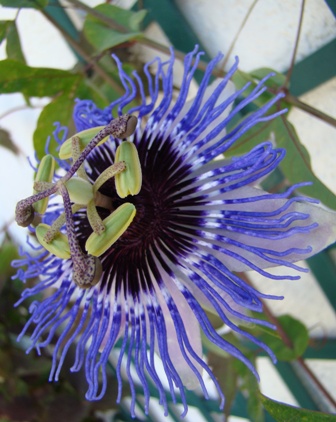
(109, 21)
(291, 99)
(296, 44)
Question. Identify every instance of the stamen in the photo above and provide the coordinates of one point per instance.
(58, 245)
(129, 181)
(45, 175)
(120, 127)
(103, 201)
(95, 221)
(115, 225)
(87, 269)
(108, 173)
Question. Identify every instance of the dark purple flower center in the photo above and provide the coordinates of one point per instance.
(158, 227)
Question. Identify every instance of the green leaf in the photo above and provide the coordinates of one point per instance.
(249, 384)
(136, 19)
(7, 142)
(276, 81)
(13, 47)
(297, 333)
(240, 79)
(102, 37)
(89, 91)
(296, 166)
(59, 110)
(8, 252)
(282, 412)
(37, 82)
(227, 376)
(35, 4)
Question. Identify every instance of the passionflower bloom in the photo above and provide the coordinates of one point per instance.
(148, 225)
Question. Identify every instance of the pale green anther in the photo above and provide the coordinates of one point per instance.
(115, 225)
(59, 246)
(129, 181)
(80, 190)
(44, 173)
(85, 137)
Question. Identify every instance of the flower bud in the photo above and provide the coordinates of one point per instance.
(115, 225)
(129, 181)
(59, 245)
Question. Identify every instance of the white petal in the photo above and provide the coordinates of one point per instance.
(192, 328)
(199, 294)
(318, 238)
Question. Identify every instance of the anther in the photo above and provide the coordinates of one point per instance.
(58, 245)
(129, 181)
(115, 225)
(43, 179)
(84, 138)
